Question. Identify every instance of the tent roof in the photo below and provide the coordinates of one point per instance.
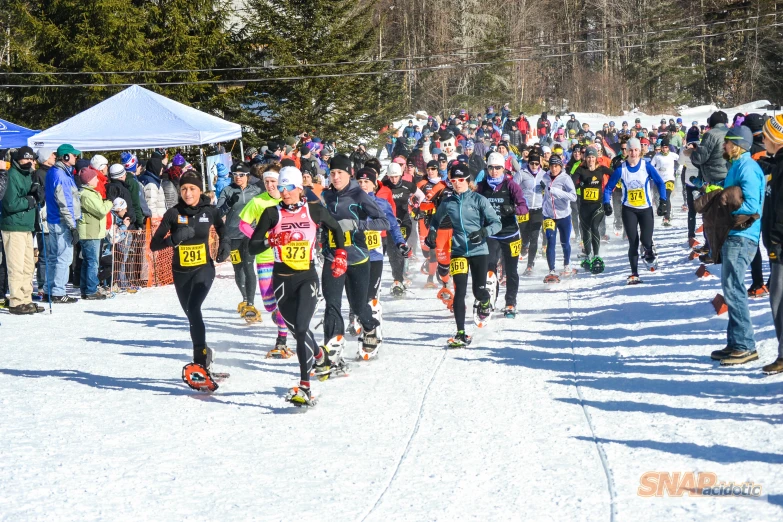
(137, 118)
(13, 136)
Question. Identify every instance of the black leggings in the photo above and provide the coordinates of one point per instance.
(376, 271)
(756, 269)
(192, 288)
(617, 206)
(691, 212)
(633, 221)
(357, 281)
(530, 231)
(396, 260)
(296, 297)
(590, 219)
(508, 249)
(478, 274)
(245, 274)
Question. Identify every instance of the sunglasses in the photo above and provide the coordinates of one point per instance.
(462, 180)
(443, 161)
(534, 163)
(624, 149)
(289, 188)
(432, 168)
(495, 167)
(240, 174)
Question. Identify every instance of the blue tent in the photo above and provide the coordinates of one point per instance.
(13, 136)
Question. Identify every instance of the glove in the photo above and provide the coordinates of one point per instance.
(279, 239)
(182, 234)
(607, 209)
(340, 263)
(74, 236)
(508, 210)
(233, 199)
(37, 193)
(775, 253)
(347, 224)
(662, 207)
(543, 186)
(477, 237)
(224, 251)
(404, 249)
(30, 202)
(432, 237)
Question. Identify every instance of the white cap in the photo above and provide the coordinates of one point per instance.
(116, 171)
(634, 143)
(496, 159)
(394, 169)
(290, 176)
(119, 204)
(545, 149)
(98, 162)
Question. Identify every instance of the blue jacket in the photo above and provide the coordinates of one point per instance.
(394, 229)
(222, 182)
(746, 174)
(468, 212)
(63, 205)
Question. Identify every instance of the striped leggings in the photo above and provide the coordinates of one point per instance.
(268, 296)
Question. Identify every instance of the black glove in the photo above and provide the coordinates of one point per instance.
(607, 209)
(543, 186)
(508, 210)
(30, 202)
(37, 193)
(74, 236)
(404, 249)
(233, 199)
(663, 207)
(224, 251)
(477, 237)
(431, 238)
(182, 234)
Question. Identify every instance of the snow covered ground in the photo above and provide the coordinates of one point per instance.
(98, 426)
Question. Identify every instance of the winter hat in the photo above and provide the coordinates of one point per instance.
(119, 204)
(290, 176)
(98, 162)
(755, 122)
(129, 161)
(191, 177)
(287, 162)
(496, 159)
(773, 129)
(469, 145)
(503, 143)
(116, 171)
(459, 170)
(591, 152)
(340, 162)
(24, 153)
(442, 157)
(394, 170)
(741, 136)
(463, 158)
(174, 173)
(716, 118)
(366, 173)
(534, 157)
(271, 173)
(555, 160)
(328, 150)
(155, 165)
(252, 151)
(222, 171)
(634, 143)
(399, 160)
(432, 164)
(44, 154)
(178, 160)
(87, 174)
(304, 149)
(545, 149)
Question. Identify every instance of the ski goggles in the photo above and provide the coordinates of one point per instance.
(290, 187)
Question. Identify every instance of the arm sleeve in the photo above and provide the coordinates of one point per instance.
(438, 217)
(14, 201)
(267, 221)
(321, 215)
(612, 183)
(568, 192)
(703, 151)
(221, 203)
(751, 191)
(246, 228)
(658, 180)
(61, 198)
(160, 240)
(376, 221)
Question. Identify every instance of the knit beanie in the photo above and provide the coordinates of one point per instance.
(773, 129)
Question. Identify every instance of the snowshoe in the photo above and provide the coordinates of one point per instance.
(280, 351)
(509, 312)
(368, 345)
(597, 266)
(585, 263)
(332, 362)
(300, 397)
(605, 238)
(651, 261)
(633, 280)
(492, 287)
(568, 271)
(461, 340)
(430, 284)
(241, 307)
(755, 292)
(482, 313)
(425, 267)
(667, 222)
(354, 327)
(377, 314)
(445, 295)
(199, 378)
(552, 277)
(397, 289)
(251, 314)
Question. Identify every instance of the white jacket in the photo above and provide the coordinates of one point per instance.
(156, 199)
(559, 193)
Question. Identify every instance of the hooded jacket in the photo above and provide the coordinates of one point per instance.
(18, 215)
(559, 193)
(468, 212)
(62, 196)
(531, 186)
(154, 194)
(92, 225)
(708, 156)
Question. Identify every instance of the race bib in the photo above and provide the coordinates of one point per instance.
(670, 185)
(192, 255)
(404, 232)
(373, 239)
(347, 240)
(295, 255)
(636, 197)
(236, 257)
(515, 247)
(524, 218)
(458, 265)
(549, 224)
(591, 194)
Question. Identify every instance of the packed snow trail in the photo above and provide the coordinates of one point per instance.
(98, 425)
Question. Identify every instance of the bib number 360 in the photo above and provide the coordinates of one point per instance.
(458, 265)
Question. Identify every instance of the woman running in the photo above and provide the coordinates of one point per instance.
(289, 229)
(530, 225)
(189, 222)
(559, 193)
(634, 176)
(473, 219)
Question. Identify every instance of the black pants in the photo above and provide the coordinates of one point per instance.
(575, 217)
(617, 208)
(3, 271)
(590, 219)
(638, 225)
(691, 212)
(508, 250)
(477, 265)
(357, 280)
(296, 297)
(376, 271)
(192, 288)
(396, 260)
(755, 269)
(245, 274)
(530, 231)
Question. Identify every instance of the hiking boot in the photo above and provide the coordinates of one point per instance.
(719, 355)
(739, 357)
(22, 309)
(93, 297)
(775, 367)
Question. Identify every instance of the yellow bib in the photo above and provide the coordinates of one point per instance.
(192, 255)
(295, 255)
(458, 265)
(591, 194)
(636, 198)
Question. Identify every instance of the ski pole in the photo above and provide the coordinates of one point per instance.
(46, 261)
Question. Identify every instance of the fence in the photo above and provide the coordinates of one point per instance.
(135, 265)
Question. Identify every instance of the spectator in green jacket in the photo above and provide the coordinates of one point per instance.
(17, 224)
(92, 228)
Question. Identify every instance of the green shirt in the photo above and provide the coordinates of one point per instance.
(252, 213)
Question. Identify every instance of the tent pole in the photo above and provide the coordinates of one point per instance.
(208, 183)
(241, 150)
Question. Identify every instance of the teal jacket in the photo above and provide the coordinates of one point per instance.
(469, 212)
(746, 174)
(18, 212)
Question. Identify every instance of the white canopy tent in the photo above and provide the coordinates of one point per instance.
(137, 118)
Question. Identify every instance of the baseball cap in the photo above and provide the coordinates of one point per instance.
(98, 162)
(66, 148)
